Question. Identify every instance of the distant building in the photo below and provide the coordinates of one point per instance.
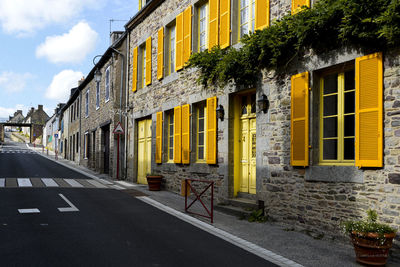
(36, 117)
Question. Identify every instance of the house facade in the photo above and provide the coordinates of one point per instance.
(325, 150)
(102, 108)
(72, 126)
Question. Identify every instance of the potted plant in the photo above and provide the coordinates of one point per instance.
(154, 181)
(371, 240)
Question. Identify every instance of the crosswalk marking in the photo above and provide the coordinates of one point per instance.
(96, 184)
(24, 182)
(49, 182)
(73, 183)
(2, 182)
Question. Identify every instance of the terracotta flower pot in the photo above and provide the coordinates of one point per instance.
(154, 182)
(370, 249)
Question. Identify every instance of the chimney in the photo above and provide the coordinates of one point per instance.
(114, 36)
(81, 81)
(40, 107)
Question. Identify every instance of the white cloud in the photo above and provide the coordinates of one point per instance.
(24, 17)
(5, 112)
(60, 87)
(71, 47)
(13, 82)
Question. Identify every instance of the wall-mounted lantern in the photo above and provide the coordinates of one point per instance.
(220, 112)
(263, 103)
(97, 75)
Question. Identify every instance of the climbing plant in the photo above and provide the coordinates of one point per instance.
(330, 24)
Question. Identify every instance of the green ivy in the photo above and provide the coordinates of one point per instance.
(372, 25)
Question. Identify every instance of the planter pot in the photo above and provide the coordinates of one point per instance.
(370, 249)
(154, 182)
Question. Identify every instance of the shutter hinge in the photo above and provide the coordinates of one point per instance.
(309, 146)
(309, 88)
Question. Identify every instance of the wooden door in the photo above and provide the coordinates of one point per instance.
(144, 150)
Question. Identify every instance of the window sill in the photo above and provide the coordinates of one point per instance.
(337, 174)
(97, 108)
(107, 100)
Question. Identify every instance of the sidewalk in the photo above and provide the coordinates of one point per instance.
(282, 240)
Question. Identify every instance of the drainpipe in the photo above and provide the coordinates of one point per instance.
(126, 106)
(121, 83)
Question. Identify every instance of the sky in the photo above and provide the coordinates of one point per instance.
(48, 45)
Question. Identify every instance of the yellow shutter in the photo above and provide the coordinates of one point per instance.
(148, 61)
(297, 4)
(134, 69)
(186, 134)
(159, 124)
(369, 111)
(177, 134)
(211, 128)
(179, 42)
(299, 120)
(213, 15)
(225, 25)
(187, 33)
(160, 54)
(262, 14)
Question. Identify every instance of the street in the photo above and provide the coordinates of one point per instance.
(44, 223)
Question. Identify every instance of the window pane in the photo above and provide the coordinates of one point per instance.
(201, 139)
(244, 105)
(330, 149)
(201, 153)
(349, 102)
(348, 148)
(171, 153)
(201, 125)
(244, 30)
(330, 84)
(349, 82)
(349, 125)
(330, 105)
(330, 127)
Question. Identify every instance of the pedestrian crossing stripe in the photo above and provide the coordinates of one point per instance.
(53, 182)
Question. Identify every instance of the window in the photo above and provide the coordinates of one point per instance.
(337, 118)
(86, 145)
(72, 112)
(246, 17)
(87, 103)
(97, 96)
(143, 66)
(201, 133)
(171, 50)
(77, 109)
(170, 135)
(107, 85)
(202, 28)
(77, 142)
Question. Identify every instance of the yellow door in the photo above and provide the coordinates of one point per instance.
(144, 150)
(247, 147)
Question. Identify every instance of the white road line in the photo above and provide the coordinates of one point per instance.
(49, 182)
(2, 182)
(237, 241)
(73, 183)
(95, 183)
(71, 206)
(118, 187)
(28, 210)
(126, 184)
(24, 182)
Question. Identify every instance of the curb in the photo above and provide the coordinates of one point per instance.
(237, 241)
(74, 169)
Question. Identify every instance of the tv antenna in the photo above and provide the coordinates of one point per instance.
(114, 20)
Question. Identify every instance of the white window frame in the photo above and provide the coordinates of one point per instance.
(97, 95)
(200, 19)
(107, 85)
(87, 104)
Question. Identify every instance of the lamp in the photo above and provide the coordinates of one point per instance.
(220, 112)
(263, 103)
(97, 75)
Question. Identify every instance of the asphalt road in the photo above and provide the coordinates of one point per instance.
(97, 227)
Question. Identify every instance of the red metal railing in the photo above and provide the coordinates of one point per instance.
(198, 196)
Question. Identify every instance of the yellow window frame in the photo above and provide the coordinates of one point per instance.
(340, 123)
(169, 135)
(171, 59)
(143, 66)
(204, 107)
(250, 19)
(200, 19)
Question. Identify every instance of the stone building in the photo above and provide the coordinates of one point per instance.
(72, 126)
(308, 162)
(36, 117)
(102, 108)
